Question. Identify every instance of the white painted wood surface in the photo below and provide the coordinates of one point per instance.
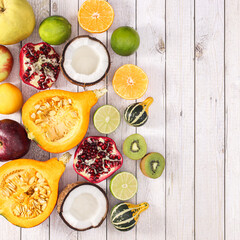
(190, 51)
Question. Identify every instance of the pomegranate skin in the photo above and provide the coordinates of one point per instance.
(97, 158)
(14, 142)
(39, 65)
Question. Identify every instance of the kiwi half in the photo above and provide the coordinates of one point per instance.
(135, 147)
(152, 165)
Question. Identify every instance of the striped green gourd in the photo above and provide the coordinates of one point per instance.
(124, 216)
(136, 114)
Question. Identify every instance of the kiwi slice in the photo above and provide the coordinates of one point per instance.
(135, 147)
(152, 165)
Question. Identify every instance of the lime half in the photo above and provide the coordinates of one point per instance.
(123, 186)
(106, 119)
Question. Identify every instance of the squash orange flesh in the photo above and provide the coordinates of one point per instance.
(58, 120)
(29, 190)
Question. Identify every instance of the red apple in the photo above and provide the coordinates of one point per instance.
(6, 62)
(14, 142)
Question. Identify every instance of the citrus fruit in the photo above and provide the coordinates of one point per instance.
(125, 41)
(95, 16)
(55, 30)
(106, 119)
(130, 82)
(11, 98)
(123, 186)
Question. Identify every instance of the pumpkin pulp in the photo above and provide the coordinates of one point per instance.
(29, 190)
(58, 120)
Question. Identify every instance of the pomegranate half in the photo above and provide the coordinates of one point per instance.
(97, 158)
(39, 65)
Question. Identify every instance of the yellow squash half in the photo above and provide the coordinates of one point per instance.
(58, 120)
(29, 189)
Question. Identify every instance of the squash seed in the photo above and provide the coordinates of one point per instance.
(55, 99)
(37, 106)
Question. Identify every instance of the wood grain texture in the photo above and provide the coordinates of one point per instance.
(151, 58)
(98, 233)
(232, 115)
(124, 16)
(186, 121)
(180, 120)
(209, 178)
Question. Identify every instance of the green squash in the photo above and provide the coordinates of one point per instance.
(124, 216)
(136, 114)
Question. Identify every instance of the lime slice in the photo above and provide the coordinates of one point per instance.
(123, 186)
(106, 119)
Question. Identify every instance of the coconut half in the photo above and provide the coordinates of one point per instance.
(85, 61)
(82, 206)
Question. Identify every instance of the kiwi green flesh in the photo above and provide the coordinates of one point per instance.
(135, 147)
(152, 165)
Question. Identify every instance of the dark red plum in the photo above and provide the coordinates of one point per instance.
(14, 142)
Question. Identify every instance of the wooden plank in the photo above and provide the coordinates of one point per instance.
(151, 58)
(98, 233)
(13, 231)
(124, 16)
(41, 10)
(180, 120)
(58, 229)
(209, 174)
(232, 132)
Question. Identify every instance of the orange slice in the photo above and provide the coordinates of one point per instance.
(95, 16)
(130, 82)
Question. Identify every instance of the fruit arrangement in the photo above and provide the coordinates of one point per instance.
(58, 120)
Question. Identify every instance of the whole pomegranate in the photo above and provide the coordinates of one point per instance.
(39, 65)
(97, 158)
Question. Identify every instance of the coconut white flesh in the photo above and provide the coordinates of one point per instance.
(84, 207)
(85, 60)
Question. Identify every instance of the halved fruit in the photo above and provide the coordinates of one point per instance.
(29, 189)
(85, 61)
(152, 165)
(39, 65)
(58, 120)
(123, 186)
(106, 119)
(97, 158)
(130, 82)
(135, 146)
(95, 16)
(82, 206)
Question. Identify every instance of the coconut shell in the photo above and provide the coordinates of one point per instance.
(64, 194)
(80, 83)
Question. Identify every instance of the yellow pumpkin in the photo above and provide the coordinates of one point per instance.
(58, 120)
(29, 189)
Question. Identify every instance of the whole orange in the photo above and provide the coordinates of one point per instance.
(11, 99)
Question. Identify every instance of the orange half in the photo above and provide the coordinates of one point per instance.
(95, 16)
(130, 82)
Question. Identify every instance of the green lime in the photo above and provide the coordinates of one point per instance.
(55, 30)
(106, 119)
(125, 41)
(123, 186)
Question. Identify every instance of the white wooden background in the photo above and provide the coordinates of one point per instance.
(191, 53)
